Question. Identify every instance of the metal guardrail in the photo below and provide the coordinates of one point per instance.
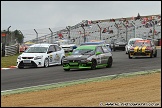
(9, 50)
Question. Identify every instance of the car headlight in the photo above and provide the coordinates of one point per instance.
(38, 57)
(74, 47)
(19, 57)
(65, 61)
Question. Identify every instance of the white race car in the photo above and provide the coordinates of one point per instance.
(130, 43)
(41, 55)
(67, 45)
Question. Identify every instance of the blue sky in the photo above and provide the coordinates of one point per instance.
(29, 15)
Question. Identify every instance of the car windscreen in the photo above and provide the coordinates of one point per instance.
(36, 50)
(131, 42)
(83, 52)
(141, 44)
(90, 43)
(120, 40)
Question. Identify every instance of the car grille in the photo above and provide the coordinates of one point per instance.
(78, 61)
(122, 45)
(74, 62)
(27, 57)
(32, 64)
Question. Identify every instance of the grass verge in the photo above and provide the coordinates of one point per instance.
(74, 82)
(9, 61)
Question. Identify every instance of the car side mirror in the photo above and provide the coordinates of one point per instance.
(69, 53)
(97, 53)
(49, 52)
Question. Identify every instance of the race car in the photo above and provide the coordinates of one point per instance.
(41, 55)
(142, 48)
(130, 43)
(118, 44)
(92, 42)
(88, 57)
(67, 45)
(25, 46)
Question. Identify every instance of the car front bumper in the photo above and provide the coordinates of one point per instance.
(30, 63)
(76, 65)
(140, 54)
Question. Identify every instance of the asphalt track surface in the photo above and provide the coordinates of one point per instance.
(19, 78)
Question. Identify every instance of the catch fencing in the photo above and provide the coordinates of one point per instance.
(124, 28)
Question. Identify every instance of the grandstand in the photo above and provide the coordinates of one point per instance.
(125, 28)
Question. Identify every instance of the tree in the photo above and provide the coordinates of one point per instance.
(19, 36)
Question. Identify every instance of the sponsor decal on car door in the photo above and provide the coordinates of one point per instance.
(56, 58)
(50, 58)
(104, 58)
(98, 59)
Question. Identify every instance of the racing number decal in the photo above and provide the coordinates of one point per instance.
(57, 57)
(51, 58)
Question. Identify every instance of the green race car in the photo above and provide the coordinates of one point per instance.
(88, 57)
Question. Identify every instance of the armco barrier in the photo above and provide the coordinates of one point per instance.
(11, 50)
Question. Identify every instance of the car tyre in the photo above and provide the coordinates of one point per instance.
(129, 56)
(126, 51)
(114, 49)
(66, 69)
(151, 54)
(62, 60)
(155, 55)
(109, 62)
(94, 64)
(46, 63)
(20, 67)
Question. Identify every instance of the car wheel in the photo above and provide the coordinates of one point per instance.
(129, 56)
(62, 60)
(66, 69)
(109, 62)
(126, 51)
(93, 65)
(151, 54)
(155, 55)
(111, 49)
(114, 49)
(46, 62)
(20, 67)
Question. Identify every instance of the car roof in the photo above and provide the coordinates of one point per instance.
(42, 45)
(93, 43)
(135, 39)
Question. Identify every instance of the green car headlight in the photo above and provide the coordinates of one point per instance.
(65, 61)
